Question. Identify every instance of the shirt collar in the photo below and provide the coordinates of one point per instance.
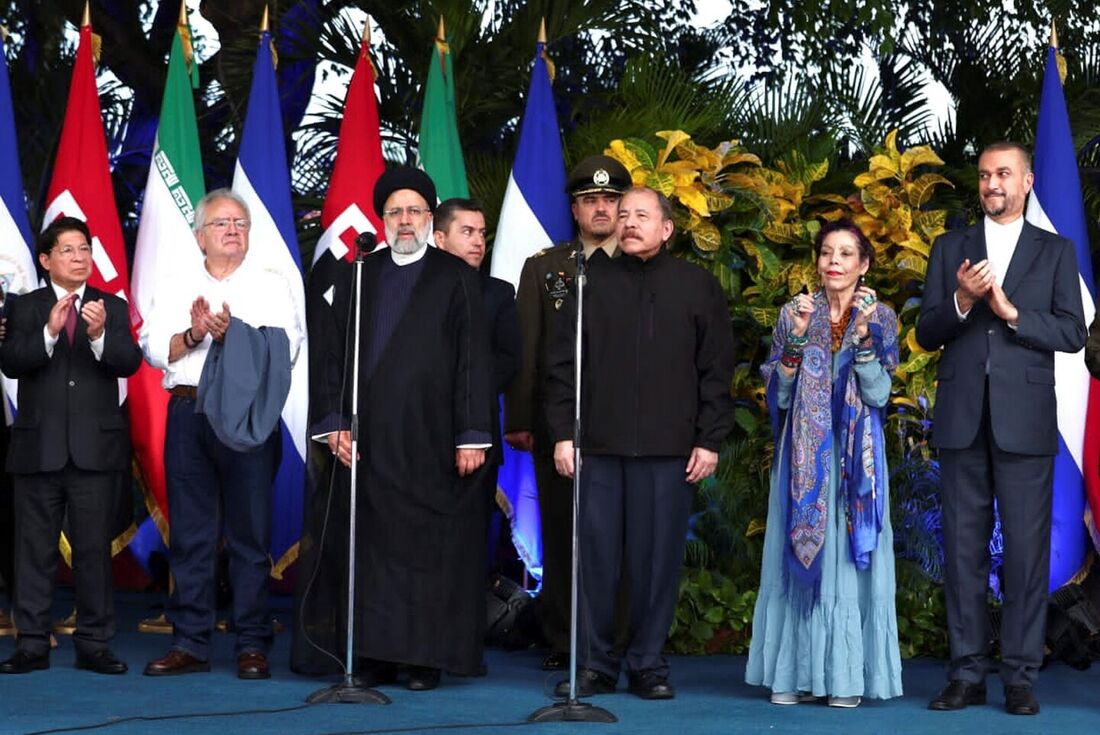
(609, 246)
(401, 259)
(1010, 232)
(61, 291)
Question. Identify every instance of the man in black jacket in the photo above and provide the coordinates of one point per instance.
(67, 344)
(459, 229)
(656, 406)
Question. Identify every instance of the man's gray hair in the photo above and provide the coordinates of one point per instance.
(214, 196)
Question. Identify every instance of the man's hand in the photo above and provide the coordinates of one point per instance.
(94, 314)
(701, 464)
(563, 458)
(1001, 306)
(521, 440)
(974, 283)
(59, 313)
(217, 324)
(339, 443)
(200, 311)
(468, 460)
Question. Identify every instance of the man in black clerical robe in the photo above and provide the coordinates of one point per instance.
(424, 400)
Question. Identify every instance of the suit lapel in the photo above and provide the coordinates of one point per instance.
(974, 244)
(1027, 249)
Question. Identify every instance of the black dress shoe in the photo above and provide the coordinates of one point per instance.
(650, 685)
(101, 662)
(957, 695)
(371, 673)
(1020, 701)
(423, 678)
(556, 661)
(589, 682)
(23, 662)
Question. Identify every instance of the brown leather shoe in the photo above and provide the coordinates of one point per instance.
(252, 665)
(176, 662)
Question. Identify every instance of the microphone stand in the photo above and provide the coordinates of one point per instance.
(347, 691)
(572, 709)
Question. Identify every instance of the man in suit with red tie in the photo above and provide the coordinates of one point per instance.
(68, 344)
(1000, 298)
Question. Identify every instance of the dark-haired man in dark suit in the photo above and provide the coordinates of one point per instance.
(68, 344)
(1000, 298)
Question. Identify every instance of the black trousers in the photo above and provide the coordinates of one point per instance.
(556, 525)
(1023, 488)
(41, 500)
(637, 509)
(7, 521)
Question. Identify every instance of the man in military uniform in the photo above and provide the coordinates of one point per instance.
(595, 186)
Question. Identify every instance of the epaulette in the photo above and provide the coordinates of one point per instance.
(552, 248)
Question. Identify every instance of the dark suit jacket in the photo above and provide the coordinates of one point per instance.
(502, 323)
(68, 403)
(1043, 283)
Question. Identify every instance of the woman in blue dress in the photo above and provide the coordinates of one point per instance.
(825, 622)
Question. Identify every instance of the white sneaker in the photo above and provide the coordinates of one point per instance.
(792, 697)
(846, 702)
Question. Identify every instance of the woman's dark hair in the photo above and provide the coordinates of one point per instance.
(866, 249)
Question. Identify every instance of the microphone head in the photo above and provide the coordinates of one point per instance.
(366, 241)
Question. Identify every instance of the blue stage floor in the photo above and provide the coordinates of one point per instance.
(712, 699)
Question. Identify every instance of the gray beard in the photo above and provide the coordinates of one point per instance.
(407, 247)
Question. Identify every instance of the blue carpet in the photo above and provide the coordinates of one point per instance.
(712, 699)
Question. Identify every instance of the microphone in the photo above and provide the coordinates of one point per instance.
(365, 242)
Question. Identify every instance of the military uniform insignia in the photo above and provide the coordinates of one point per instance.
(557, 287)
(601, 177)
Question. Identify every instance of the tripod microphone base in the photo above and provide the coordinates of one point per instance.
(344, 693)
(572, 711)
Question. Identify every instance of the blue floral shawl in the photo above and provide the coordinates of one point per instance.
(825, 408)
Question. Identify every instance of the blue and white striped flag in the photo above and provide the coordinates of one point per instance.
(1056, 205)
(534, 216)
(17, 274)
(262, 179)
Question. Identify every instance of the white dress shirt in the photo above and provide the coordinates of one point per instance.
(51, 342)
(260, 297)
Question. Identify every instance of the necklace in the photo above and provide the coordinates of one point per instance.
(837, 329)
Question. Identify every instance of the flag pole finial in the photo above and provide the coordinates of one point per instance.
(3, 33)
(86, 19)
(264, 27)
(183, 13)
(1053, 35)
(366, 30)
(441, 34)
(542, 30)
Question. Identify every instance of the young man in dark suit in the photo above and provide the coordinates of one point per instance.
(1000, 298)
(68, 344)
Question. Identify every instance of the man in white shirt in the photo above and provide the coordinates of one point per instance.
(190, 313)
(1000, 298)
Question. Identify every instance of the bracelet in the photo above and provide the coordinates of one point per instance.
(792, 351)
(790, 361)
(864, 356)
(189, 340)
(794, 339)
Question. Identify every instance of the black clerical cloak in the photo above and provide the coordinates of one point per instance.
(424, 386)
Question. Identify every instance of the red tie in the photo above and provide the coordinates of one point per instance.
(70, 322)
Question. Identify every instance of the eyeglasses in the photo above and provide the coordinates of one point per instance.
(222, 224)
(68, 251)
(411, 211)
